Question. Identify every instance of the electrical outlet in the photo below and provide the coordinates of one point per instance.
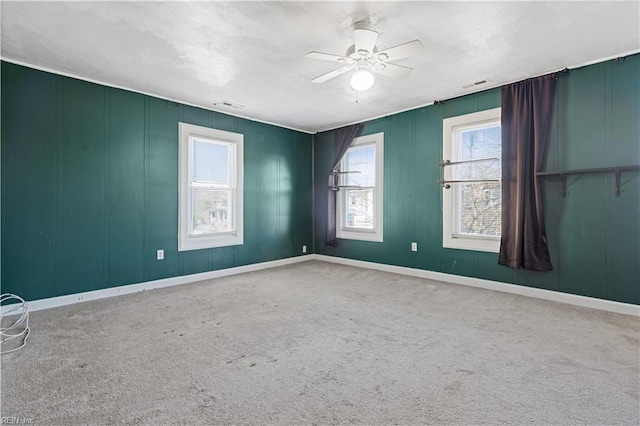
(304, 249)
(414, 246)
(160, 254)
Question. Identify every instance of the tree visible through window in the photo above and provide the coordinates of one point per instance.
(472, 206)
(478, 204)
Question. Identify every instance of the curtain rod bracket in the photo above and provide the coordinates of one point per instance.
(556, 75)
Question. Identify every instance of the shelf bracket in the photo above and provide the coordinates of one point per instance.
(616, 170)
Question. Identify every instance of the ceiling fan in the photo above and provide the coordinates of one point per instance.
(363, 56)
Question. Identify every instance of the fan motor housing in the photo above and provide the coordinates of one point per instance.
(351, 52)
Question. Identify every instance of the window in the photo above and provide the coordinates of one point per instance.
(360, 202)
(472, 211)
(210, 190)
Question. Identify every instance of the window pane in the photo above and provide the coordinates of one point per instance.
(211, 211)
(476, 144)
(478, 204)
(359, 208)
(480, 209)
(362, 160)
(211, 161)
(471, 211)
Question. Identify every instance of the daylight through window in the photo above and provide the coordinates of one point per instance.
(360, 200)
(472, 210)
(210, 188)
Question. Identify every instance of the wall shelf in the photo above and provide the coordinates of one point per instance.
(617, 171)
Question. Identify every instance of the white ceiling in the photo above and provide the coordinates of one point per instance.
(252, 53)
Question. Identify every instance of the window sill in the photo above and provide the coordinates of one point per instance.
(199, 243)
(474, 244)
(360, 235)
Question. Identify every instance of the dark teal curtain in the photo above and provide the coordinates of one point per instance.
(342, 140)
(526, 118)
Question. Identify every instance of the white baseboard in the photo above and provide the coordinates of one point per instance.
(55, 302)
(555, 296)
(571, 299)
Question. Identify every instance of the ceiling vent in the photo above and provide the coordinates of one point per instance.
(477, 83)
(228, 104)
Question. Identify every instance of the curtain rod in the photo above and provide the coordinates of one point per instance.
(556, 74)
(445, 163)
(561, 71)
(446, 183)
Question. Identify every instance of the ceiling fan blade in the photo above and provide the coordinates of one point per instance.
(365, 39)
(330, 75)
(325, 57)
(402, 51)
(392, 70)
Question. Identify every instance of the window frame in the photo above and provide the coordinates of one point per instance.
(377, 233)
(450, 127)
(187, 241)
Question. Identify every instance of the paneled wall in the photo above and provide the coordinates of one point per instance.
(90, 187)
(594, 236)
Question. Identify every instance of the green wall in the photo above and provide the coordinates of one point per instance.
(594, 236)
(90, 187)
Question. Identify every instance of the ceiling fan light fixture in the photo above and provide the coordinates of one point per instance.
(363, 57)
(362, 80)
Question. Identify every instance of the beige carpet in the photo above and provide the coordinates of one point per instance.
(317, 343)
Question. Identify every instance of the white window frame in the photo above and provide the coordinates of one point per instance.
(350, 233)
(186, 241)
(450, 128)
